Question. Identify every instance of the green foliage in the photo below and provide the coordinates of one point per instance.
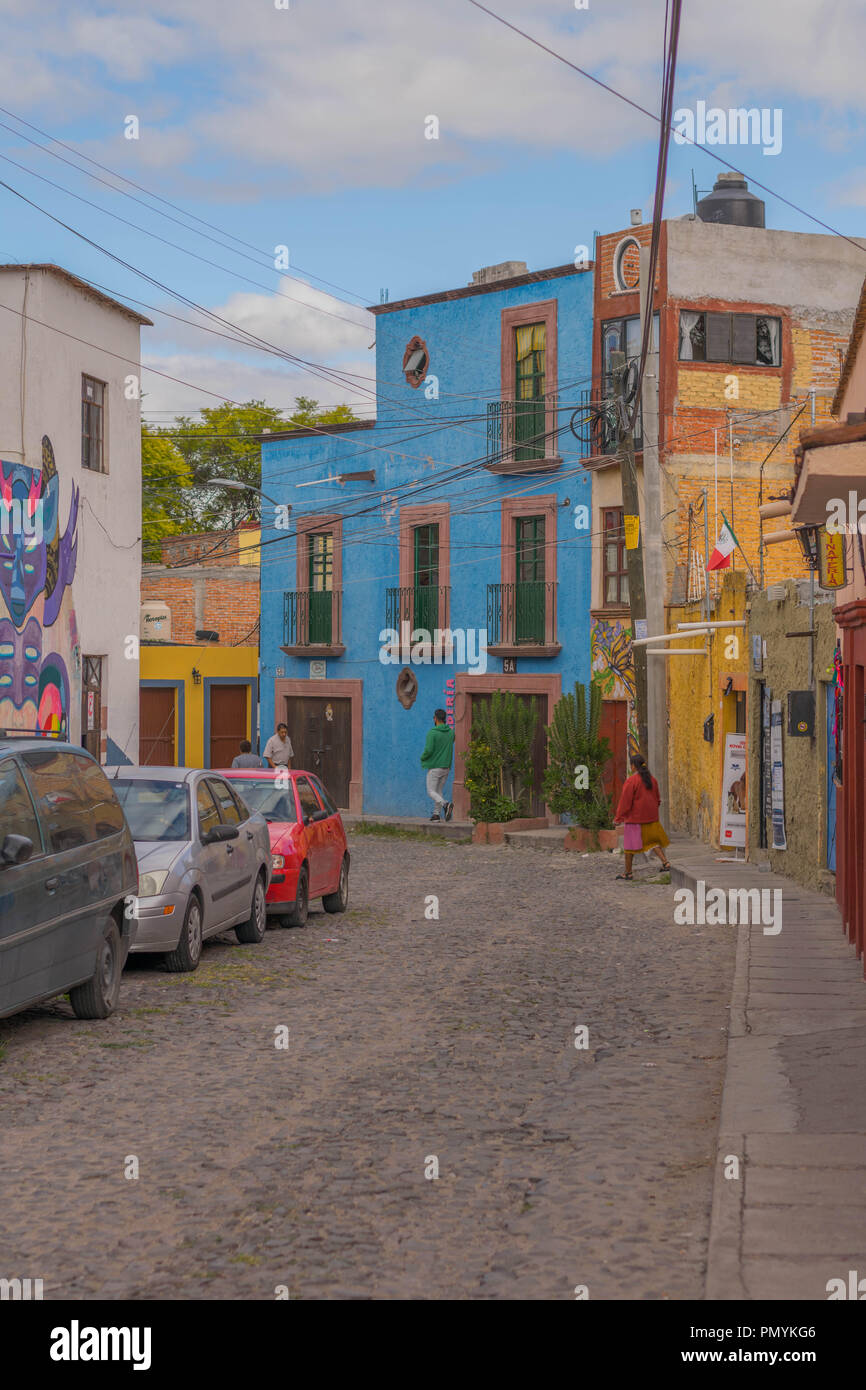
(481, 779)
(223, 443)
(165, 475)
(504, 729)
(573, 742)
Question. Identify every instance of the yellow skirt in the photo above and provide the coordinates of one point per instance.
(654, 834)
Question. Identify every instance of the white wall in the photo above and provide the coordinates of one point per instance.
(43, 373)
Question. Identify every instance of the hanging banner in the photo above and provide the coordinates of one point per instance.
(733, 830)
(832, 569)
(767, 761)
(778, 781)
(632, 532)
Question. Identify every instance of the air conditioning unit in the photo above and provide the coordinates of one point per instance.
(775, 593)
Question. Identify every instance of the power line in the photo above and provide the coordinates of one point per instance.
(192, 216)
(215, 265)
(637, 106)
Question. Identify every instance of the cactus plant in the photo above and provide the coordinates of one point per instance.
(573, 742)
(506, 727)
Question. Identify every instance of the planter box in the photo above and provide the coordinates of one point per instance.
(494, 832)
(586, 841)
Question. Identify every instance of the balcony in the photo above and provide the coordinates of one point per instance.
(520, 436)
(521, 619)
(312, 623)
(418, 605)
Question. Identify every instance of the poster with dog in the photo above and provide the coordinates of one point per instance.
(734, 791)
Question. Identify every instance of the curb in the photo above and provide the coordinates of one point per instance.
(723, 1278)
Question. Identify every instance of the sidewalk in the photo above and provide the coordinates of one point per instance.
(794, 1102)
(445, 830)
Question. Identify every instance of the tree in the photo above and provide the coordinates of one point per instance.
(224, 443)
(165, 477)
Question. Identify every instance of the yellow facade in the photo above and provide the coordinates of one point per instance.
(174, 666)
(697, 688)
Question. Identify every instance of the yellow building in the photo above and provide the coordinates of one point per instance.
(197, 703)
(703, 688)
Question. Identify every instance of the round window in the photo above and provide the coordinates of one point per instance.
(626, 264)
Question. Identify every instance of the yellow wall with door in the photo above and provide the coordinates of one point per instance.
(696, 687)
(170, 663)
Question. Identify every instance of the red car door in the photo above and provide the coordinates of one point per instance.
(336, 835)
(313, 819)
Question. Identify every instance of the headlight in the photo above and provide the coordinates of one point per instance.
(278, 861)
(151, 884)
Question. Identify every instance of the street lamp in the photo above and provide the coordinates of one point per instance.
(242, 487)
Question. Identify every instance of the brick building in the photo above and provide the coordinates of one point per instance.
(210, 582)
(751, 325)
(199, 649)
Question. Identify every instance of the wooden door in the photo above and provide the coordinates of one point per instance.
(321, 733)
(156, 726)
(228, 723)
(91, 705)
(614, 727)
(539, 746)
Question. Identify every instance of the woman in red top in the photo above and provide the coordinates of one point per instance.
(638, 809)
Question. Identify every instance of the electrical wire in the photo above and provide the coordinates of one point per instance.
(192, 216)
(644, 111)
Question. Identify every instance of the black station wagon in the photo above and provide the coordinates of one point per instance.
(67, 870)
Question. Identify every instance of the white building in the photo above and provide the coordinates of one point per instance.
(70, 510)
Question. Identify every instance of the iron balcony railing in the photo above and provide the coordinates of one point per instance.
(521, 614)
(312, 618)
(519, 430)
(421, 605)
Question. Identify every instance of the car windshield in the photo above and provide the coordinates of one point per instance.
(155, 810)
(274, 802)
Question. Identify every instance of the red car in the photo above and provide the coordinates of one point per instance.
(309, 854)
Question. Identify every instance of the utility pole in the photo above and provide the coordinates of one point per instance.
(653, 556)
(634, 555)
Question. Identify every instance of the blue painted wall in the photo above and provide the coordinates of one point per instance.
(414, 444)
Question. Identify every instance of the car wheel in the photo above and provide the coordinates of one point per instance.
(97, 997)
(252, 931)
(187, 953)
(298, 916)
(339, 901)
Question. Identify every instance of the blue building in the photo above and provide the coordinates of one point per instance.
(441, 551)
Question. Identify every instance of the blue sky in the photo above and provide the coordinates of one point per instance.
(305, 127)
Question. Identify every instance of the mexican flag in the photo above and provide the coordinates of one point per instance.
(723, 548)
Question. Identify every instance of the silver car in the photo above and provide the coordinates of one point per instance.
(204, 860)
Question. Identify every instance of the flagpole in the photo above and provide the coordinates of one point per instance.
(731, 455)
(739, 547)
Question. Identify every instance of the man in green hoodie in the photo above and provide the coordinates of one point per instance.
(436, 761)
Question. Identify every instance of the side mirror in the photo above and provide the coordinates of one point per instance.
(17, 849)
(219, 833)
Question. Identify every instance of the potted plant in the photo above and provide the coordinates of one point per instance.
(498, 772)
(573, 780)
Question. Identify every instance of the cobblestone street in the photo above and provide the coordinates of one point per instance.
(408, 1038)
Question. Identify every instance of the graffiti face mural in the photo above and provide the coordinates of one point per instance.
(37, 621)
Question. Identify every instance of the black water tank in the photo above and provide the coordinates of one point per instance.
(731, 202)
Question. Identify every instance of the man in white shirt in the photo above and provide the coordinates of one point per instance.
(278, 749)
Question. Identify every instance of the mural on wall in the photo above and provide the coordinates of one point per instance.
(612, 669)
(38, 632)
